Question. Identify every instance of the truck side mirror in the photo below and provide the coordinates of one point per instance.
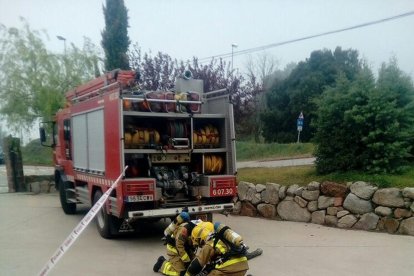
(42, 135)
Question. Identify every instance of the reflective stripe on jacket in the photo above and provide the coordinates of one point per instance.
(223, 249)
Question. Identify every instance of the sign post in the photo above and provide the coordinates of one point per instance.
(299, 124)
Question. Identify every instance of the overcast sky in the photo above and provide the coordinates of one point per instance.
(204, 28)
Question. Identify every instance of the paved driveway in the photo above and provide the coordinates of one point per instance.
(33, 226)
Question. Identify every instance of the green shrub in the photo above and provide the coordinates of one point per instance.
(364, 125)
(36, 154)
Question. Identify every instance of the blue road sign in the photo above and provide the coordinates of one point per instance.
(299, 122)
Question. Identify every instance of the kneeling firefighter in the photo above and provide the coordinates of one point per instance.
(216, 256)
(180, 250)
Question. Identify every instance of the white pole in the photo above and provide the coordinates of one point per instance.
(233, 45)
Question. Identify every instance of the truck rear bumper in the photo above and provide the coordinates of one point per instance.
(171, 212)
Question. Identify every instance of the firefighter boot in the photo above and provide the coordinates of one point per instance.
(158, 264)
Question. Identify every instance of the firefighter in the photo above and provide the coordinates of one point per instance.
(214, 256)
(180, 251)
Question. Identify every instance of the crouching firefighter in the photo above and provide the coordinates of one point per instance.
(216, 255)
(180, 251)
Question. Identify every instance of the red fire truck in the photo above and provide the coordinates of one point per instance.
(179, 147)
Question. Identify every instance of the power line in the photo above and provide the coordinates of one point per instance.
(261, 48)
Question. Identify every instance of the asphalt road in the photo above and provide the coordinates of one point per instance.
(33, 226)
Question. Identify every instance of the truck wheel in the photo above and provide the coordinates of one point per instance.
(68, 208)
(107, 225)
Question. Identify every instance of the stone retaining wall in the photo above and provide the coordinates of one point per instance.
(357, 205)
(40, 183)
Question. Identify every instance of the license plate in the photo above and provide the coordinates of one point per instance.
(137, 198)
(222, 191)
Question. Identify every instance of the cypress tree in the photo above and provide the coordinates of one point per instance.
(115, 40)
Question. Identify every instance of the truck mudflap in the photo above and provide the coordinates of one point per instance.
(170, 212)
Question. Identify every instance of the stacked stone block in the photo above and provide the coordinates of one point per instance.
(357, 205)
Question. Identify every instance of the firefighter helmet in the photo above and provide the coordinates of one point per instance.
(201, 233)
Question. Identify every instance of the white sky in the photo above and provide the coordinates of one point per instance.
(204, 28)
(187, 28)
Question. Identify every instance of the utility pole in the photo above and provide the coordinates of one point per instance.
(61, 38)
(233, 45)
(64, 42)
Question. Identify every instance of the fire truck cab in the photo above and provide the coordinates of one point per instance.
(179, 147)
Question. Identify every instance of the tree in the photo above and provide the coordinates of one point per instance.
(217, 75)
(297, 93)
(157, 72)
(337, 142)
(363, 125)
(278, 76)
(33, 80)
(395, 84)
(398, 86)
(261, 66)
(259, 71)
(115, 40)
(2, 135)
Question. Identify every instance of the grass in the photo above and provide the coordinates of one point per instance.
(36, 154)
(302, 175)
(247, 151)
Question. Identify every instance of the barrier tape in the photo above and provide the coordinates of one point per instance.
(78, 229)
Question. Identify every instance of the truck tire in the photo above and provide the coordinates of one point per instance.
(68, 208)
(106, 224)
